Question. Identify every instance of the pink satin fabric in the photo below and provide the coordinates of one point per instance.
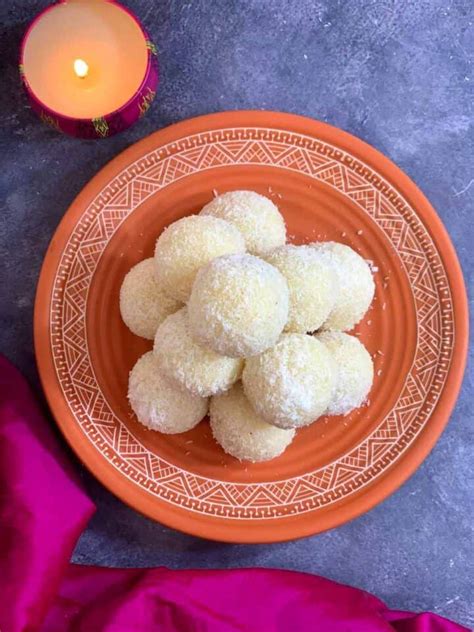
(43, 510)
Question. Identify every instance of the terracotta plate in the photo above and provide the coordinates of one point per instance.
(328, 185)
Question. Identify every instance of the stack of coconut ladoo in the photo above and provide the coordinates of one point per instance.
(246, 327)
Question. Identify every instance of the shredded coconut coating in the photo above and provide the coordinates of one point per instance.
(312, 284)
(354, 371)
(186, 246)
(291, 384)
(356, 285)
(143, 305)
(238, 306)
(191, 366)
(257, 218)
(158, 403)
(241, 432)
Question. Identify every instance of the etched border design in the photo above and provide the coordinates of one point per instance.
(285, 150)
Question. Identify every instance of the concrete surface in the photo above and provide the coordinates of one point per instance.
(398, 74)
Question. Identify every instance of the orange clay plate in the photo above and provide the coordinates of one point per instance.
(329, 186)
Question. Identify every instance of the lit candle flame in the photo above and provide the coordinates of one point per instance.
(81, 68)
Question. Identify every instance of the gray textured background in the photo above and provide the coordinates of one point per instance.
(396, 73)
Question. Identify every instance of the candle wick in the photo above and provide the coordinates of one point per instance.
(81, 68)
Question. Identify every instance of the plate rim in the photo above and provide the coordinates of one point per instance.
(273, 531)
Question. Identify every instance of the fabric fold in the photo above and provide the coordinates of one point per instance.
(43, 511)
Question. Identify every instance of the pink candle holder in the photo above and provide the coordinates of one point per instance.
(108, 123)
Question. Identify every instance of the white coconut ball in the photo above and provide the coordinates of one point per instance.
(158, 403)
(187, 245)
(291, 384)
(356, 285)
(238, 306)
(257, 218)
(312, 284)
(354, 371)
(241, 432)
(143, 305)
(200, 370)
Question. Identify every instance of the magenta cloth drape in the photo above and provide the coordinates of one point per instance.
(43, 510)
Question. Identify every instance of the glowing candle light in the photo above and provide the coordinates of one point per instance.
(88, 67)
(80, 68)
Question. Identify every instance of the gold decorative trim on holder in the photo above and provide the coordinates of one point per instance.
(146, 101)
(151, 47)
(101, 126)
(49, 120)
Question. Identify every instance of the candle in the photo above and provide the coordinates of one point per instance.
(88, 67)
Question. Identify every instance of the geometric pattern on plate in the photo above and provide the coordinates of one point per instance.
(318, 160)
